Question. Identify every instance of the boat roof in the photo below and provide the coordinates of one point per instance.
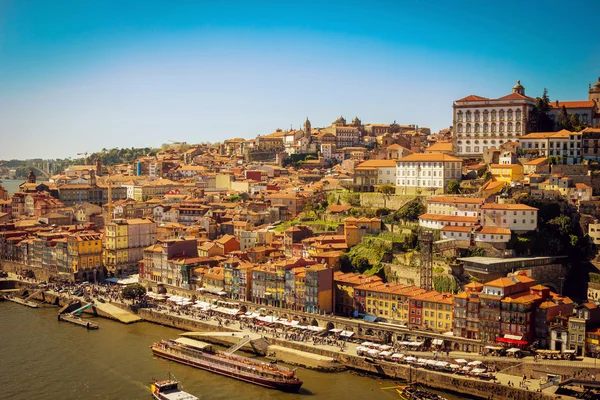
(193, 343)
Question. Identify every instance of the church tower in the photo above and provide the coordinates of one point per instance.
(31, 178)
(307, 128)
(98, 167)
(594, 93)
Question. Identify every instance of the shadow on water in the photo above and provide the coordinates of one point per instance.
(305, 392)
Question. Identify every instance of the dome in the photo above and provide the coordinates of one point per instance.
(518, 85)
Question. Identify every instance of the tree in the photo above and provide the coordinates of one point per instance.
(360, 264)
(453, 187)
(487, 175)
(387, 189)
(134, 292)
(539, 121)
(411, 211)
(564, 122)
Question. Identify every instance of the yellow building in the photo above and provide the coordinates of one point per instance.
(491, 187)
(85, 254)
(436, 310)
(125, 240)
(507, 172)
(389, 301)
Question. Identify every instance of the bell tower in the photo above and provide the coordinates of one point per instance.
(31, 178)
(594, 93)
(307, 128)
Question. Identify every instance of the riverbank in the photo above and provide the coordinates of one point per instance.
(302, 353)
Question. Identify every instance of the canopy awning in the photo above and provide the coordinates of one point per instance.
(513, 350)
(511, 341)
(437, 342)
(369, 318)
(335, 330)
(346, 333)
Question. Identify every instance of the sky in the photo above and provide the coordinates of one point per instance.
(79, 76)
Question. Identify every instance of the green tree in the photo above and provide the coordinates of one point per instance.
(382, 212)
(539, 120)
(453, 187)
(361, 264)
(387, 189)
(411, 211)
(487, 175)
(564, 122)
(134, 292)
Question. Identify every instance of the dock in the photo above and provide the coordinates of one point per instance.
(23, 302)
(73, 316)
(77, 321)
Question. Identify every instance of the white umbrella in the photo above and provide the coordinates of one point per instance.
(410, 359)
(461, 361)
(476, 362)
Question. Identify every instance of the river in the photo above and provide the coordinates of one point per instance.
(11, 185)
(43, 359)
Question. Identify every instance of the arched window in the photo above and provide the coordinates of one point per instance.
(477, 116)
(468, 116)
(518, 127)
(459, 128)
(493, 127)
(518, 115)
(501, 127)
(493, 115)
(477, 128)
(509, 115)
(485, 127)
(459, 116)
(468, 128)
(509, 127)
(501, 115)
(486, 115)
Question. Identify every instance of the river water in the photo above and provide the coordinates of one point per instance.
(12, 186)
(43, 359)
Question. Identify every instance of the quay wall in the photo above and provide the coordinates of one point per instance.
(432, 379)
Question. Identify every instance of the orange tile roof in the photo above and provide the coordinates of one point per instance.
(495, 231)
(537, 161)
(572, 104)
(562, 134)
(473, 97)
(459, 200)
(376, 164)
(424, 157)
(439, 146)
(449, 228)
(494, 206)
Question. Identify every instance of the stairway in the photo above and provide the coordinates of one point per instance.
(238, 345)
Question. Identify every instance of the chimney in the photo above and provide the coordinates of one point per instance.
(556, 103)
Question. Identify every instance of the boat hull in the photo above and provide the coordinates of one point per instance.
(290, 387)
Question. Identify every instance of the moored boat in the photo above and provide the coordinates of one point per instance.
(201, 355)
(169, 390)
(411, 392)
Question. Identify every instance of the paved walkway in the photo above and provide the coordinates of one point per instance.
(118, 313)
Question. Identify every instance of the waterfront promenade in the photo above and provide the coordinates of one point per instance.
(508, 376)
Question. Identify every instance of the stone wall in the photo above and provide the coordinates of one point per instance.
(569, 169)
(432, 379)
(379, 200)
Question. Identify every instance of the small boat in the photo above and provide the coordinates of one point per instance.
(169, 390)
(411, 392)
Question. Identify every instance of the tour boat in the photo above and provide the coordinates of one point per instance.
(169, 390)
(201, 355)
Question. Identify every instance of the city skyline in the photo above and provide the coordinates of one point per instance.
(77, 77)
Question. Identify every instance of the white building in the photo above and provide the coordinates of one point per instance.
(248, 239)
(519, 218)
(481, 123)
(457, 206)
(427, 173)
(565, 144)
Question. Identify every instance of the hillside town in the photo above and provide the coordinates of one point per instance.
(480, 236)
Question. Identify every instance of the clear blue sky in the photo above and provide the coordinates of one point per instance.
(88, 74)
